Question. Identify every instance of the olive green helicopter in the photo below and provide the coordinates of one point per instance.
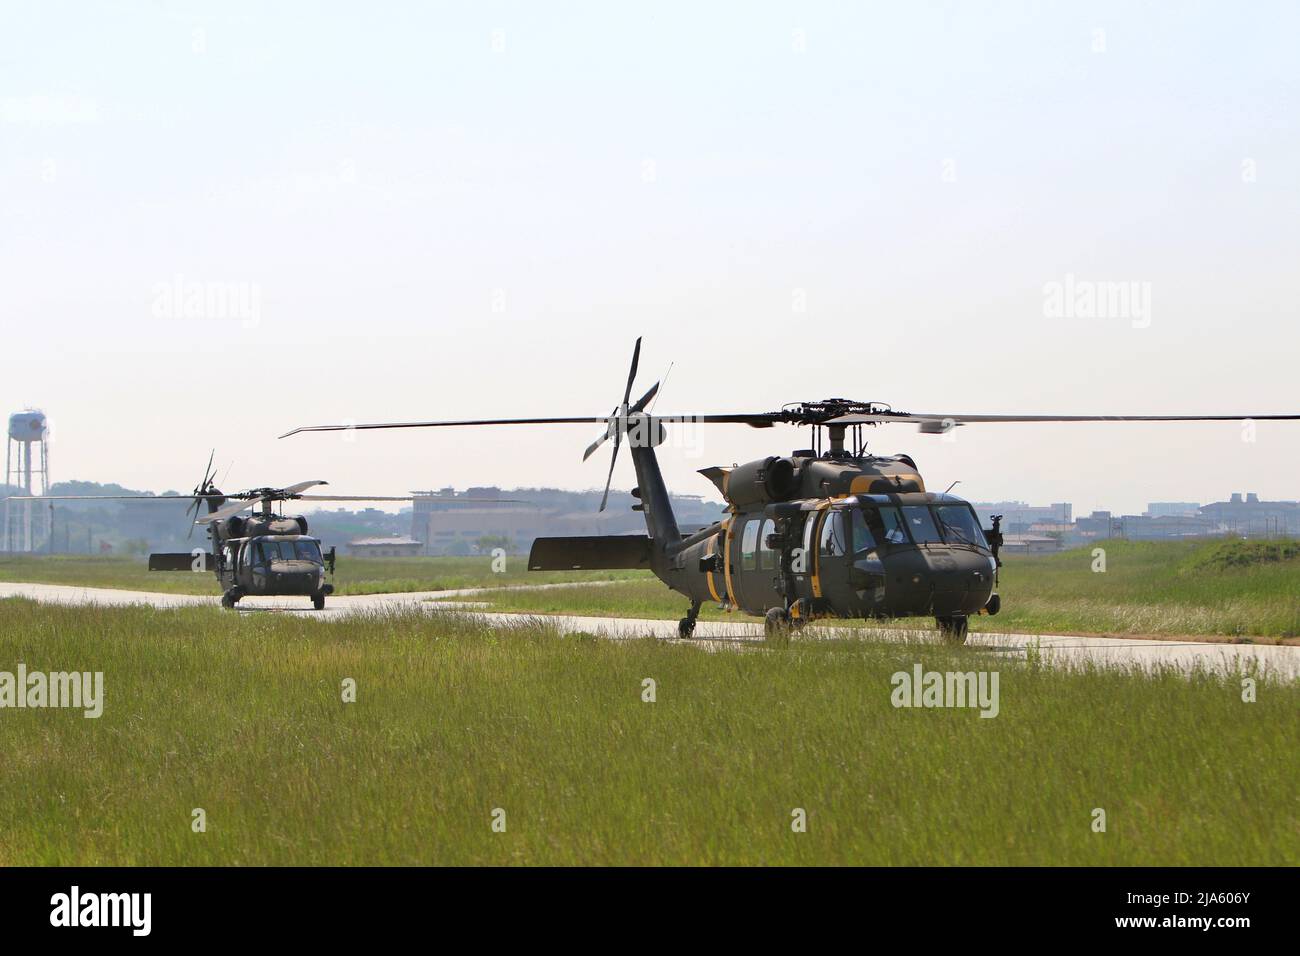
(266, 554)
(828, 531)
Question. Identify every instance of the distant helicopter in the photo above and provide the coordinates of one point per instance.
(822, 532)
(264, 554)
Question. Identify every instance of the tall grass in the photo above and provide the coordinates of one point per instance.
(243, 717)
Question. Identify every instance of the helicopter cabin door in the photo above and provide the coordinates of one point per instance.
(227, 567)
(831, 561)
(256, 565)
(756, 565)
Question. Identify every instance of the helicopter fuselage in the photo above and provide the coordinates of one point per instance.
(809, 536)
(267, 555)
(842, 537)
(871, 556)
(261, 554)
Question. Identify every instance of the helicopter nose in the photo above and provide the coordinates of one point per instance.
(941, 581)
(961, 581)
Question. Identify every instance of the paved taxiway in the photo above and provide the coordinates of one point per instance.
(1273, 661)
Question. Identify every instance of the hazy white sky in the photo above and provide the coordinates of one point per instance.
(463, 210)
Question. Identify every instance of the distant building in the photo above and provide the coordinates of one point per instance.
(1030, 544)
(1155, 528)
(1019, 518)
(451, 522)
(384, 547)
(1161, 509)
(457, 531)
(1250, 517)
(1099, 524)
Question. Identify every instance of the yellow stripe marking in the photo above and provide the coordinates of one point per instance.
(708, 575)
(726, 557)
(815, 544)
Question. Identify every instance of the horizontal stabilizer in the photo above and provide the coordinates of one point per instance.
(181, 561)
(590, 553)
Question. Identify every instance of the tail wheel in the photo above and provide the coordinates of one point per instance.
(776, 626)
(953, 630)
(318, 600)
(686, 628)
(229, 599)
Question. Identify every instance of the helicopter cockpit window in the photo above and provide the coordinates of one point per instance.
(863, 539)
(290, 550)
(748, 544)
(895, 532)
(921, 524)
(767, 558)
(833, 540)
(306, 550)
(959, 525)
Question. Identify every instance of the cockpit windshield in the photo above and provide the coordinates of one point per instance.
(260, 552)
(921, 523)
(954, 524)
(895, 532)
(959, 525)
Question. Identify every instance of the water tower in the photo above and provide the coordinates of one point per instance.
(27, 466)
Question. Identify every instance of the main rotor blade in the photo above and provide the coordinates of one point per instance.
(450, 501)
(883, 417)
(361, 498)
(228, 511)
(302, 486)
(485, 421)
(105, 497)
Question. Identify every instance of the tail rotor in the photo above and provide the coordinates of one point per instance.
(618, 421)
(200, 490)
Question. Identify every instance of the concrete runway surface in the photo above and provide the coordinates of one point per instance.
(1265, 660)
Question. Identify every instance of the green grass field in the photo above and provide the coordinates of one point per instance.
(242, 716)
(1231, 589)
(355, 575)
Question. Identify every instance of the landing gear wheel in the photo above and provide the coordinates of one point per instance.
(953, 629)
(318, 600)
(230, 599)
(776, 626)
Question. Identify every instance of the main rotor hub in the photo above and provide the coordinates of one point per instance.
(822, 414)
(819, 413)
